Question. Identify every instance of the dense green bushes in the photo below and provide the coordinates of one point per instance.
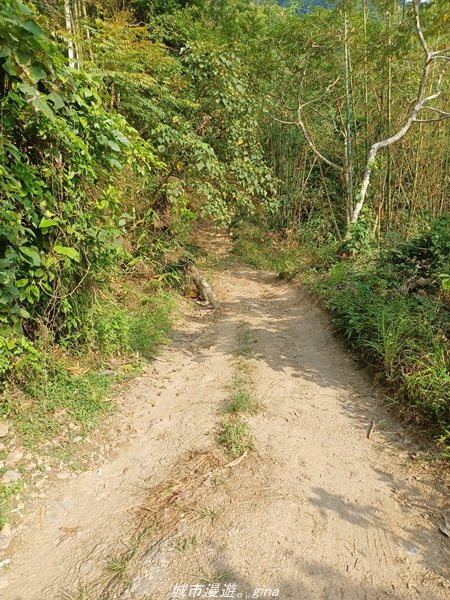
(394, 309)
(188, 91)
(60, 216)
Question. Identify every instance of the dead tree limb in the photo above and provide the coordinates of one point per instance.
(312, 145)
(202, 285)
(300, 122)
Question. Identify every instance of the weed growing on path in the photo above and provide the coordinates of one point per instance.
(235, 437)
(208, 512)
(184, 544)
(233, 432)
(118, 566)
(242, 401)
(83, 593)
(246, 341)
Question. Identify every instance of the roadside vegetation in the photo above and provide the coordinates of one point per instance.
(121, 125)
(52, 405)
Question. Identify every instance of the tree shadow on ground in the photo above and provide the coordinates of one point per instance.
(312, 580)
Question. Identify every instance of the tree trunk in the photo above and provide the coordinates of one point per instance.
(69, 28)
(348, 128)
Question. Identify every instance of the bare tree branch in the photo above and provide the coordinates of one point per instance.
(306, 135)
(437, 120)
(301, 124)
(437, 110)
(419, 31)
(311, 144)
(281, 120)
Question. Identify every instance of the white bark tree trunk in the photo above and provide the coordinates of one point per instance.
(69, 29)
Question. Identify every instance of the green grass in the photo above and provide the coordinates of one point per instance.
(246, 341)
(233, 432)
(7, 493)
(64, 395)
(141, 326)
(242, 401)
(216, 576)
(241, 398)
(150, 326)
(208, 512)
(269, 252)
(83, 593)
(118, 566)
(55, 404)
(183, 544)
(56, 401)
(403, 336)
(234, 435)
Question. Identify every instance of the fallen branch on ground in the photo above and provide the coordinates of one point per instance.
(203, 287)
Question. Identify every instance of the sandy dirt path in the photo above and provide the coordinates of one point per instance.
(316, 510)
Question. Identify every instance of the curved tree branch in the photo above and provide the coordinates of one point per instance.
(311, 144)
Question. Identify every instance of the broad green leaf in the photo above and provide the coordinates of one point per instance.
(11, 344)
(33, 28)
(113, 145)
(31, 253)
(445, 281)
(115, 163)
(41, 104)
(45, 223)
(58, 102)
(10, 68)
(37, 72)
(23, 8)
(23, 58)
(121, 138)
(66, 251)
(35, 290)
(28, 89)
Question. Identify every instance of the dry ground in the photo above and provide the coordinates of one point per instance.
(316, 510)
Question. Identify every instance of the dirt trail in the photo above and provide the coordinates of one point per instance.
(318, 510)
